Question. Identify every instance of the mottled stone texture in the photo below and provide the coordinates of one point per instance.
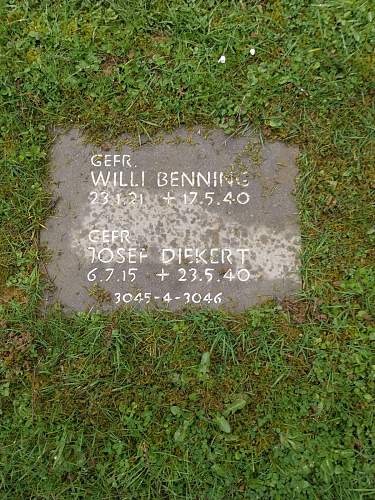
(229, 250)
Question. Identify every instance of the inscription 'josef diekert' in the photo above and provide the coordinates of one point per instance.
(180, 256)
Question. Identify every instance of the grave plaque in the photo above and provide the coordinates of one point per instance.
(192, 219)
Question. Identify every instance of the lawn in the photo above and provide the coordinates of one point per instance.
(277, 402)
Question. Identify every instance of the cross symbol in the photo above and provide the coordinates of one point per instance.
(168, 198)
(162, 274)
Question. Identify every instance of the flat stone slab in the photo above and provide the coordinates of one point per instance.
(190, 218)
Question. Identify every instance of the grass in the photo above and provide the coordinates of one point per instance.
(276, 402)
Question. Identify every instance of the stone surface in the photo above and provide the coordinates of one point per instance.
(194, 218)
